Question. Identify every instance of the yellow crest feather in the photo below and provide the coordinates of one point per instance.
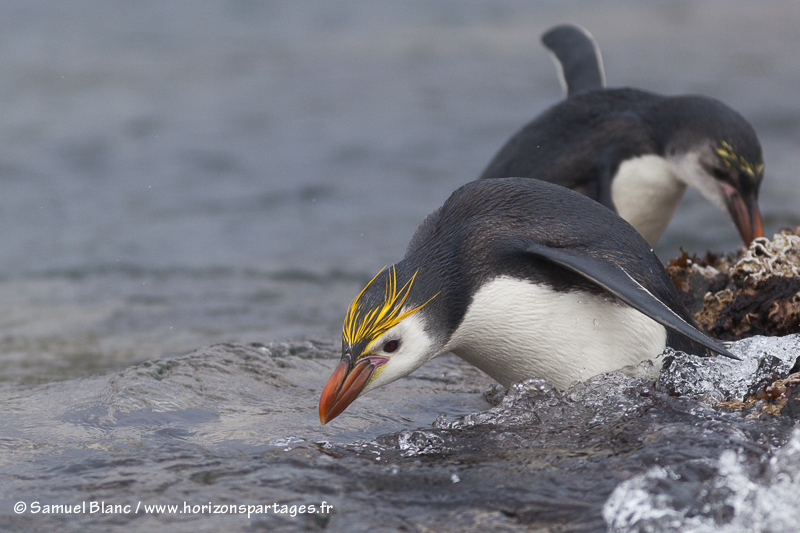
(369, 324)
(729, 158)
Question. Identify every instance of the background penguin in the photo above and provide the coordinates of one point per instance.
(634, 151)
(520, 278)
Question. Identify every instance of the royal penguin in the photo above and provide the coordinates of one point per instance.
(636, 151)
(520, 278)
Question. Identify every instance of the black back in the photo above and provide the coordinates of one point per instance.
(490, 228)
(580, 142)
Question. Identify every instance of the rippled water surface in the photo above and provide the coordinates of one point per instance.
(192, 193)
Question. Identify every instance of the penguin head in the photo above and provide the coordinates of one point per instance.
(386, 335)
(739, 178)
(719, 155)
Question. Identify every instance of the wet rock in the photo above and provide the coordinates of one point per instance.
(614, 452)
(547, 460)
(756, 292)
(782, 397)
(719, 379)
(695, 277)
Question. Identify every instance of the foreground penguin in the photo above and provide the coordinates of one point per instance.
(520, 278)
(634, 151)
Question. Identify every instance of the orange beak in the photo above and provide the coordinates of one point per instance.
(345, 384)
(746, 217)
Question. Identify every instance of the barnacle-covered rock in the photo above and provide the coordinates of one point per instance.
(782, 397)
(756, 292)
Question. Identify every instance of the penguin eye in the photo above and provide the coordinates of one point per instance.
(720, 174)
(390, 346)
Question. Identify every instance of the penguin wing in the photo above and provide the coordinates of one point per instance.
(616, 280)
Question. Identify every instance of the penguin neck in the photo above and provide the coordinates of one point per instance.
(514, 329)
(646, 191)
(685, 130)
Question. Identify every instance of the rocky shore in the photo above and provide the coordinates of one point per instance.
(752, 292)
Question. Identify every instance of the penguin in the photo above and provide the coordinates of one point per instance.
(636, 151)
(520, 278)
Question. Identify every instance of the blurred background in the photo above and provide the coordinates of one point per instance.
(174, 174)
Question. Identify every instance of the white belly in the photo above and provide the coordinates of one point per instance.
(514, 330)
(646, 193)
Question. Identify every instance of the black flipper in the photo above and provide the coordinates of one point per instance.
(607, 274)
(578, 58)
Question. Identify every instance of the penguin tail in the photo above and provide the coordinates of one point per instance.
(577, 58)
